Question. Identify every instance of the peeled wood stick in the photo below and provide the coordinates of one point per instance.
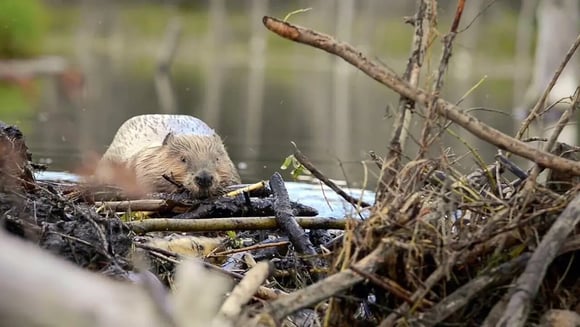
(262, 292)
(223, 224)
(135, 205)
(394, 82)
(527, 285)
(245, 290)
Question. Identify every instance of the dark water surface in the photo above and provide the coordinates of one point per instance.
(63, 134)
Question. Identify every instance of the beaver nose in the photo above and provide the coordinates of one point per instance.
(204, 179)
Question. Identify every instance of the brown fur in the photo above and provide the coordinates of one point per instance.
(181, 157)
(201, 153)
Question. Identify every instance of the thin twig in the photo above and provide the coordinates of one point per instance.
(548, 146)
(438, 85)
(311, 168)
(540, 104)
(421, 37)
(251, 248)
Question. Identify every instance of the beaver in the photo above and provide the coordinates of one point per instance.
(167, 152)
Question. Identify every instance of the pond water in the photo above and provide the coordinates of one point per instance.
(258, 91)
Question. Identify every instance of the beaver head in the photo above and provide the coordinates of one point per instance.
(197, 162)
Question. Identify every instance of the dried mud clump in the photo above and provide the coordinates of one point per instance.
(39, 213)
(15, 168)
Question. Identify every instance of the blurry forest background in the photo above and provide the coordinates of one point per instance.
(71, 71)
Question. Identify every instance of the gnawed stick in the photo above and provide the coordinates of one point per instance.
(225, 224)
(318, 174)
(527, 285)
(286, 219)
(394, 82)
(137, 205)
(262, 291)
(216, 208)
(288, 223)
(244, 291)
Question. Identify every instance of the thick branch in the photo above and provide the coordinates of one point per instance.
(394, 82)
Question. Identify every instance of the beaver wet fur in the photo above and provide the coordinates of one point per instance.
(182, 147)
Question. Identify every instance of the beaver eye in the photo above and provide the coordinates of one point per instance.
(183, 159)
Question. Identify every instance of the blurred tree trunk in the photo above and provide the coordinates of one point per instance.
(257, 60)
(342, 89)
(166, 55)
(523, 58)
(215, 66)
(98, 20)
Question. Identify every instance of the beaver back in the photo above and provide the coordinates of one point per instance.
(146, 131)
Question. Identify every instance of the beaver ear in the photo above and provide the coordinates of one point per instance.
(168, 138)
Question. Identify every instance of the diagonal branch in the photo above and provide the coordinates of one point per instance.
(444, 108)
(540, 104)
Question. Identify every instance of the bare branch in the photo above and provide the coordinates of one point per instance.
(394, 82)
(540, 104)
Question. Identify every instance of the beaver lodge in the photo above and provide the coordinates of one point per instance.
(493, 247)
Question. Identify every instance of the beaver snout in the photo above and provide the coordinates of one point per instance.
(203, 179)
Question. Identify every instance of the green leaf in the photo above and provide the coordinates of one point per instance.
(287, 162)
